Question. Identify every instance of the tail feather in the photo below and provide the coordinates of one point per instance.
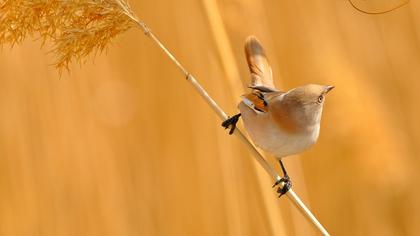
(261, 73)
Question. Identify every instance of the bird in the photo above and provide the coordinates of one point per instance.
(280, 123)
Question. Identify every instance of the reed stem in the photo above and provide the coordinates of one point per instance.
(222, 115)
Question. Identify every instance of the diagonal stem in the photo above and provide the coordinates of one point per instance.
(222, 115)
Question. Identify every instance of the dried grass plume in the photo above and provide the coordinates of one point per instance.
(77, 28)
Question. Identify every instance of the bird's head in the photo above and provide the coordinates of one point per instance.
(306, 102)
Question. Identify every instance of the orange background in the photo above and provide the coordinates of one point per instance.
(123, 145)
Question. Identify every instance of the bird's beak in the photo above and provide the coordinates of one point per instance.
(328, 88)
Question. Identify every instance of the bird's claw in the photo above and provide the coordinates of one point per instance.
(287, 185)
(231, 122)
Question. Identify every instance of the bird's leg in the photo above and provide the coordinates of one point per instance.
(283, 169)
(231, 122)
(285, 179)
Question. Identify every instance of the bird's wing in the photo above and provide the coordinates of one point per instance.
(261, 74)
(255, 102)
(258, 100)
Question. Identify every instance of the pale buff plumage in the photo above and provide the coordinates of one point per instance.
(281, 123)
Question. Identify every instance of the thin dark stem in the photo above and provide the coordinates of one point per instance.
(377, 12)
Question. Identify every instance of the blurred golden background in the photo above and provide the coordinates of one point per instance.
(123, 145)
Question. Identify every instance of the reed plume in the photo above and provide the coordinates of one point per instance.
(76, 28)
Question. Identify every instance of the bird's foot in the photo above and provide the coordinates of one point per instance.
(287, 185)
(231, 122)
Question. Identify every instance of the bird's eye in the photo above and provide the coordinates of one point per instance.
(320, 99)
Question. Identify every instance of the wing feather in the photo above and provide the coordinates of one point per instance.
(255, 102)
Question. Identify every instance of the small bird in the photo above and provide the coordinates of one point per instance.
(280, 123)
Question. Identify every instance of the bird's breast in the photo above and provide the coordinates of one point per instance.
(272, 138)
